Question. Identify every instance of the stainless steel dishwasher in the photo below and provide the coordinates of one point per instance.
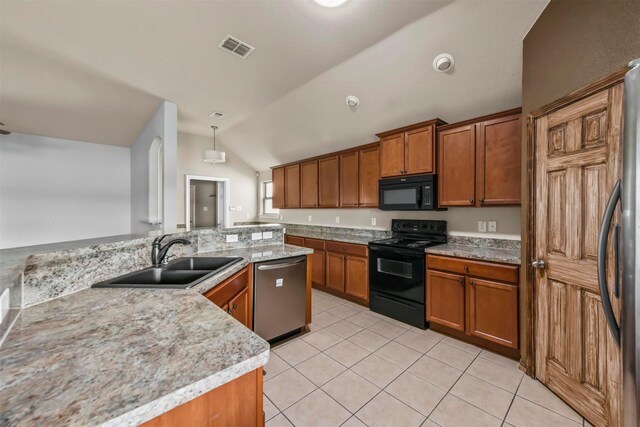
(280, 296)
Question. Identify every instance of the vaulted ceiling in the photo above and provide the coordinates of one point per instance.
(96, 71)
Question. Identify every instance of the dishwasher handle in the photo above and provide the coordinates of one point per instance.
(282, 265)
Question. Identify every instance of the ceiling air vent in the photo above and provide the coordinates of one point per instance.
(216, 115)
(235, 46)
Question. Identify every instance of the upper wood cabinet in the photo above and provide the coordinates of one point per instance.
(368, 176)
(277, 178)
(349, 179)
(292, 186)
(309, 184)
(329, 182)
(409, 150)
(479, 161)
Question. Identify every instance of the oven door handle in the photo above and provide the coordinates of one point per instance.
(397, 301)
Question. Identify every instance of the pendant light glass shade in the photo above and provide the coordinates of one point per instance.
(214, 156)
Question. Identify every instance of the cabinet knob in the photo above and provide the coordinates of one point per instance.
(235, 306)
(471, 282)
(471, 201)
(461, 280)
(481, 200)
(466, 268)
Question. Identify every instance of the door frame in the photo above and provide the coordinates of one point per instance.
(527, 301)
(187, 195)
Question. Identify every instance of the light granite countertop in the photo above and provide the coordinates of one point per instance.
(342, 237)
(506, 256)
(123, 356)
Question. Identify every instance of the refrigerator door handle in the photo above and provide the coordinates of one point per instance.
(616, 259)
(602, 262)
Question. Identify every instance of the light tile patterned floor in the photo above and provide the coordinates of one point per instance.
(359, 368)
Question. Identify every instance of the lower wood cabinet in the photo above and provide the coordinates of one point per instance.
(335, 271)
(475, 301)
(235, 296)
(357, 277)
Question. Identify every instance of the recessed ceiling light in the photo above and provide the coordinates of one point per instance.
(443, 63)
(353, 102)
(330, 3)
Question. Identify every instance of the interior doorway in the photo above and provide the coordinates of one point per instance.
(206, 202)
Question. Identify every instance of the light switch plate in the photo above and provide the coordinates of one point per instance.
(309, 218)
(267, 235)
(337, 220)
(256, 236)
(493, 226)
(231, 238)
(281, 216)
(373, 221)
(482, 226)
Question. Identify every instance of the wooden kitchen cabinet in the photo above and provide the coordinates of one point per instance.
(368, 176)
(409, 150)
(309, 184)
(479, 161)
(349, 179)
(292, 186)
(493, 311)
(294, 240)
(335, 271)
(329, 182)
(357, 277)
(445, 299)
(238, 307)
(317, 261)
(235, 296)
(277, 178)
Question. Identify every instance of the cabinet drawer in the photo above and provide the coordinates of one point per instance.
(294, 240)
(314, 243)
(487, 270)
(347, 248)
(223, 293)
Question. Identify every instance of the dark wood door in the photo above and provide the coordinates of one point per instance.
(329, 182)
(456, 166)
(357, 277)
(392, 155)
(318, 268)
(445, 299)
(309, 184)
(493, 311)
(419, 151)
(335, 271)
(349, 179)
(239, 308)
(292, 186)
(498, 161)
(369, 174)
(277, 177)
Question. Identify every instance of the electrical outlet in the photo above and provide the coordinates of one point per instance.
(493, 226)
(205, 208)
(373, 221)
(267, 235)
(4, 304)
(281, 216)
(309, 218)
(256, 236)
(337, 220)
(232, 238)
(482, 226)
(233, 208)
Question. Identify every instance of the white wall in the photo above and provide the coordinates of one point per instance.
(242, 177)
(163, 124)
(54, 190)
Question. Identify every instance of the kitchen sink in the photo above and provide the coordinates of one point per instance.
(182, 273)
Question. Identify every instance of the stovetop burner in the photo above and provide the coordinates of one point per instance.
(415, 234)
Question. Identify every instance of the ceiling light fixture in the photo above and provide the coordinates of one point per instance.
(330, 3)
(443, 63)
(353, 102)
(214, 156)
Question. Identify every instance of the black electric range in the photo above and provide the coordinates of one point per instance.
(397, 269)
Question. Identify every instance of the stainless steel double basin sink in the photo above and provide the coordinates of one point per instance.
(182, 273)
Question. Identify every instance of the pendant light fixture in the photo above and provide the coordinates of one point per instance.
(214, 156)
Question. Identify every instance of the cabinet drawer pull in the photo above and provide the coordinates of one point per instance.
(466, 268)
(481, 200)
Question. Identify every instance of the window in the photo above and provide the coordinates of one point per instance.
(267, 199)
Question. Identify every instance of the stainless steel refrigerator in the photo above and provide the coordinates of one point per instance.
(626, 247)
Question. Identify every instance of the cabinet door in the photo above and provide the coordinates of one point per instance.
(239, 308)
(329, 178)
(369, 174)
(317, 267)
(357, 277)
(498, 161)
(335, 271)
(392, 155)
(277, 177)
(292, 186)
(309, 184)
(349, 179)
(419, 152)
(445, 299)
(456, 167)
(493, 311)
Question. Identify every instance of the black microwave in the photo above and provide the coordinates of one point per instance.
(411, 193)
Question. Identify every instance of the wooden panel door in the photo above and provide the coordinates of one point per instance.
(357, 277)
(329, 182)
(419, 151)
(349, 179)
(277, 177)
(456, 166)
(369, 174)
(309, 184)
(239, 308)
(493, 311)
(318, 268)
(445, 299)
(335, 271)
(392, 155)
(292, 186)
(498, 161)
(577, 165)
